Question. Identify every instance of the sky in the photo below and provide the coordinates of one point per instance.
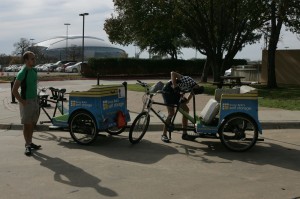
(44, 19)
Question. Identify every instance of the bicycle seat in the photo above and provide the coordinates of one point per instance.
(198, 90)
(63, 90)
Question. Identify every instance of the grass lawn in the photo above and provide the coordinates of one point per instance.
(284, 97)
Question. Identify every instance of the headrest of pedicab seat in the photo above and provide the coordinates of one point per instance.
(198, 89)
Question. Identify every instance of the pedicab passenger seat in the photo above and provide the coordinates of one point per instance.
(156, 87)
(220, 91)
(210, 111)
(247, 89)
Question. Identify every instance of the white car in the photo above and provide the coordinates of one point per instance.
(76, 68)
(45, 67)
(228, 72)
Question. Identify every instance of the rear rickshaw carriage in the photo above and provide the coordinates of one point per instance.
(101, 108)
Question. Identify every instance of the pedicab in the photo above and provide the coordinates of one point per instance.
(231, 116)
(101, 108)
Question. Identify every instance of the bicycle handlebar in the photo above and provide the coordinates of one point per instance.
(143, 84)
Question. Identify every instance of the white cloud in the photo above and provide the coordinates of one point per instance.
(44, 19)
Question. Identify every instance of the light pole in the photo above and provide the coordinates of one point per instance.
(83, 15)
(31, 45)
(31, 41)
(67, 24)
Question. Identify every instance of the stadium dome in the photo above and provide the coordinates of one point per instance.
(93, 47)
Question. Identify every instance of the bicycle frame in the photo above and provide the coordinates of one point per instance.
(171, 126)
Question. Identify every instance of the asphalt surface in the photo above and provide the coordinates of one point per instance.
(112, 167)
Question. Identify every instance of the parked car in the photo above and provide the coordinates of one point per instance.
(76, 68)
(62, 69)
(39, 67)
(44, 67)
(13, 68)
(56, 65)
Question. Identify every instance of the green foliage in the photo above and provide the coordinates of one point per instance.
(219, 29)
(150, 24)
(145, 67)
(216, 28)
(132, 67)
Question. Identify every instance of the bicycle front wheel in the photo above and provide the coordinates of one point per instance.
(139, 127)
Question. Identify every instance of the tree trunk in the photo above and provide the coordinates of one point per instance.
(272, 83)
(276, 24)
(216, 66)
(205, 71)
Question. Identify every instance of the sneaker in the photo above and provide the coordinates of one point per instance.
(28, 150)
(188, 137)
(34, 146)
(165, 139)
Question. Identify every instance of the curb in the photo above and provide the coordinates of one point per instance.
(159, 127)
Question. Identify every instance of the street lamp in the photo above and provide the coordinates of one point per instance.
(83, 15)
(31, 41)
(67, 24)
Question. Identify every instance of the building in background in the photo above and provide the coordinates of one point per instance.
(287, 67)
(93, 48)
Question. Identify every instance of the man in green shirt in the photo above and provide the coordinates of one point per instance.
(28, 99)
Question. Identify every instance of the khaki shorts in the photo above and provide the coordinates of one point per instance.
(30, 113)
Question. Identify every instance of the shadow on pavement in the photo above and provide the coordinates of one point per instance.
(69, 174)
(263, 153)
(116, 147)
(283, 155)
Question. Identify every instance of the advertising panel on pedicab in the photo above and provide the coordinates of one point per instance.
(240, 103)
(103, 102)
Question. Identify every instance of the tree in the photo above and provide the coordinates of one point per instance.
(5, 59)
(21, 46)
(280, 12)
(216, 28)
(149, 24)
(219, 29)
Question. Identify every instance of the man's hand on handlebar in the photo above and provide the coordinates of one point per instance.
(177, 89)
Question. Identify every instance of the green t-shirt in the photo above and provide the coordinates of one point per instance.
(31, 81)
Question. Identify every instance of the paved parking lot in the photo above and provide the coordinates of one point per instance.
(112, 167)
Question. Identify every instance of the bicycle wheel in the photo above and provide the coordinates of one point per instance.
(238, 132)
(139, 127)
(83, 128)
(115, 130)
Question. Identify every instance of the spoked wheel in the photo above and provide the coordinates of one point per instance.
(83, 128)
(115, 130)
(139, 127)
(238, 132)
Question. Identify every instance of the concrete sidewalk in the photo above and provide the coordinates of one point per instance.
(9, 116)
